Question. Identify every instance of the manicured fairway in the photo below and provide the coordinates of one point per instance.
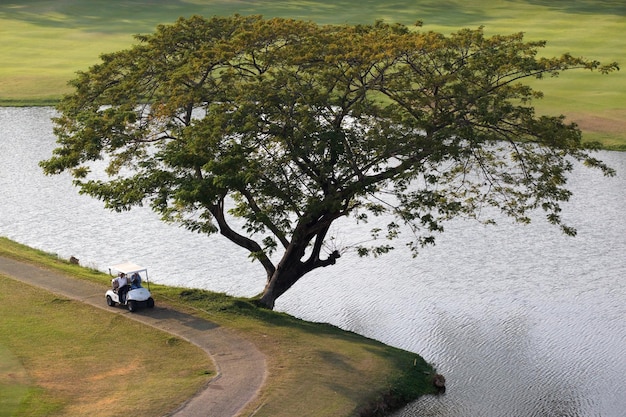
(60, 357)
(43, 43)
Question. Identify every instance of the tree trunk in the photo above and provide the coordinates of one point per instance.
(292, 267)
(288, 272)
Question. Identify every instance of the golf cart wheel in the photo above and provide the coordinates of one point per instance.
(150, 302)
(132, 305)
(110, 301)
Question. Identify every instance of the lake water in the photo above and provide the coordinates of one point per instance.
(521, 320)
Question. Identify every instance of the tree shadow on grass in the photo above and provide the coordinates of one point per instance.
(590, 7)
(142, 16)
(102, 16)
(336, 360)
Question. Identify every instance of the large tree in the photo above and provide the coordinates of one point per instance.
(289, 126)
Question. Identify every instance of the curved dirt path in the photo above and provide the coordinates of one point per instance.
(240, 366)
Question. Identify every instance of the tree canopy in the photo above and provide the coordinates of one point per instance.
(288, 126)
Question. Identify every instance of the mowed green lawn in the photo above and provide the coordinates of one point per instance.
(63, 358)
(43, 43)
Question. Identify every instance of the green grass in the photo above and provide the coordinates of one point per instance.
(44, 43)
(69, 359)
(14, 382)
(315, 369)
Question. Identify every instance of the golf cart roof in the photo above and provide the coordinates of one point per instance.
(127, 268)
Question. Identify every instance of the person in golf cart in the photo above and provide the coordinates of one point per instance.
(128, 287)
(120, 286)
(135, 281)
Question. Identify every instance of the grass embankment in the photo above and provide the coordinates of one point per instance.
(314, 369)
(44, 43)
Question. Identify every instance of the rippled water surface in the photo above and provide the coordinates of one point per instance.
(521, 320)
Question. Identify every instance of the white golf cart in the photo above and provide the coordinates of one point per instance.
(132, 294)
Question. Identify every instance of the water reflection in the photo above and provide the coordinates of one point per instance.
(522, 321)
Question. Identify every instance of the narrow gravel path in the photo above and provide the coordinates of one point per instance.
(241, 367)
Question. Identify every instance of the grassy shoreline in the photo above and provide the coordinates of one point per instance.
(45, 43)
(315, 369)
(605, 129)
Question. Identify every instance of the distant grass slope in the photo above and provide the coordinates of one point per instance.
(45, 42)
